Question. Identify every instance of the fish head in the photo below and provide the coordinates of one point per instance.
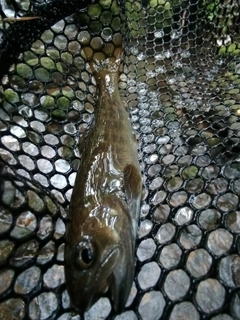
(99, 257)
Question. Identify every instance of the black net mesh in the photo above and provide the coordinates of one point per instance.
(181, 80)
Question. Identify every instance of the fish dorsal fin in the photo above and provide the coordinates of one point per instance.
(133, 189)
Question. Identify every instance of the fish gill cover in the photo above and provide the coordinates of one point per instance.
(181, 81)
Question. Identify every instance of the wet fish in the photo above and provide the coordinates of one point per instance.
(105, 204)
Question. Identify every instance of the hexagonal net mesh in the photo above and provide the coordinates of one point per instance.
(180, 78)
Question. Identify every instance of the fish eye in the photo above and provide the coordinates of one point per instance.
(85, 254)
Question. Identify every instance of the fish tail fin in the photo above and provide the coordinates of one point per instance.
(106, 61)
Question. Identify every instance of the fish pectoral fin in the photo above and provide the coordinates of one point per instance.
(132, 183)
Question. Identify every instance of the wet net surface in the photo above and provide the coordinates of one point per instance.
(181, 80)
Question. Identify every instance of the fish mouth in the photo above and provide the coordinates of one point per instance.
(102, 282)
(119, 280)
(120, 286)
(107, 266)
(113, 280)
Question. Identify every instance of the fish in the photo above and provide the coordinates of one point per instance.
(104, 209)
